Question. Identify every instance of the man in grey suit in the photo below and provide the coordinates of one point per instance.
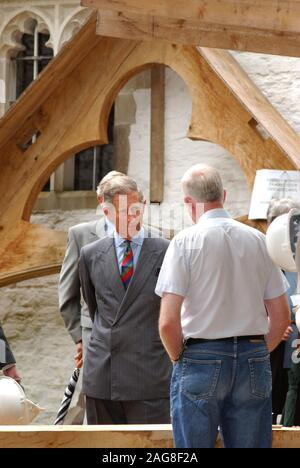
(126, 374)
(7, 360)
(73, 310)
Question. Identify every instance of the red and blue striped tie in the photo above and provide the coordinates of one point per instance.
(127, 265)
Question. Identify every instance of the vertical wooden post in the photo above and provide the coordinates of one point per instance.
(157, 134)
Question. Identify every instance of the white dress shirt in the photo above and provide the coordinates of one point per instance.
(222, 269)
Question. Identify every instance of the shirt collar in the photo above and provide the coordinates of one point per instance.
(138, 239)
(109, 227)
(215, 213)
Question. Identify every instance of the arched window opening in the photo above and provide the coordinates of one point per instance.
(93, 163)
(32, 59)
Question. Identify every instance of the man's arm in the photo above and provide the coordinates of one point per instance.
(279, 319)
(69, 290)
(170, 324)
(87, 286)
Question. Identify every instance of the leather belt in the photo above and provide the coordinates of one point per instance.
(190, 341)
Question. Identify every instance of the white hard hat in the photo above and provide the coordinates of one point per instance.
(280, 239)
(15, 409)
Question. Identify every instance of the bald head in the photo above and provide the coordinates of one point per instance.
(203, 184)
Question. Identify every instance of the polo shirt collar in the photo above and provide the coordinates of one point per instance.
(215, 213)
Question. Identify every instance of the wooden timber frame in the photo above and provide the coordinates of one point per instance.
(151, 437)
(266, 26)
(67, 108)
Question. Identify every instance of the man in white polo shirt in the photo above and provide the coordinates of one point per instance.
(223, 309)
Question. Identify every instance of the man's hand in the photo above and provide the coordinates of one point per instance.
(287, 333)
(79, 355)
(12, 373)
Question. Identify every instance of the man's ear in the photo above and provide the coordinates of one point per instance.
(187, 199)
(105, 210)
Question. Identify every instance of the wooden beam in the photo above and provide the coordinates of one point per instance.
(267, 14)
(47, 249)
(157, 140)
(151, 436)
(130, 26)
(142, 436)
(269, 27)
(252, 99)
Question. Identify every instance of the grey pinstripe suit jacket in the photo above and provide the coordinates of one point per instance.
(125, 359)
(73, 310)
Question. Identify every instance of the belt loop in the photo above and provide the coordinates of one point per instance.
(235, 346)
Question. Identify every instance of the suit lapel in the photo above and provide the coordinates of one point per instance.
(111, 271)
(147, 259)
(96, 228)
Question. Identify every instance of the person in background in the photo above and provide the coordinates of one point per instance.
(73, 310)
(285, 373)
(7, 360)
(223, 309)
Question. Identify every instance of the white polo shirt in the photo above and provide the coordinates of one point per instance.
(222, 269)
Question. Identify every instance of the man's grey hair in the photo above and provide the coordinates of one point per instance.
(121, 185)
(279, 206)
(106, 179)
(203, 183)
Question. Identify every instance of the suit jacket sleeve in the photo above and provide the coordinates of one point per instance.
(69, 290)
(87, 285)
(6, 356)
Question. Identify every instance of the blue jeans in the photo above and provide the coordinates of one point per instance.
(226, 384)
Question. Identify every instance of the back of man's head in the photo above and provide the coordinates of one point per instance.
(203, 183)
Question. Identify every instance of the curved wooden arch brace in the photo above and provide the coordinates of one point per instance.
(68, 107)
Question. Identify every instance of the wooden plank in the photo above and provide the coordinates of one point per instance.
(271, 26)
(151, 436)
(174, 30)
(277, 15)
(287, 437)
(142, 436)
(157, 139)
(47, 247)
